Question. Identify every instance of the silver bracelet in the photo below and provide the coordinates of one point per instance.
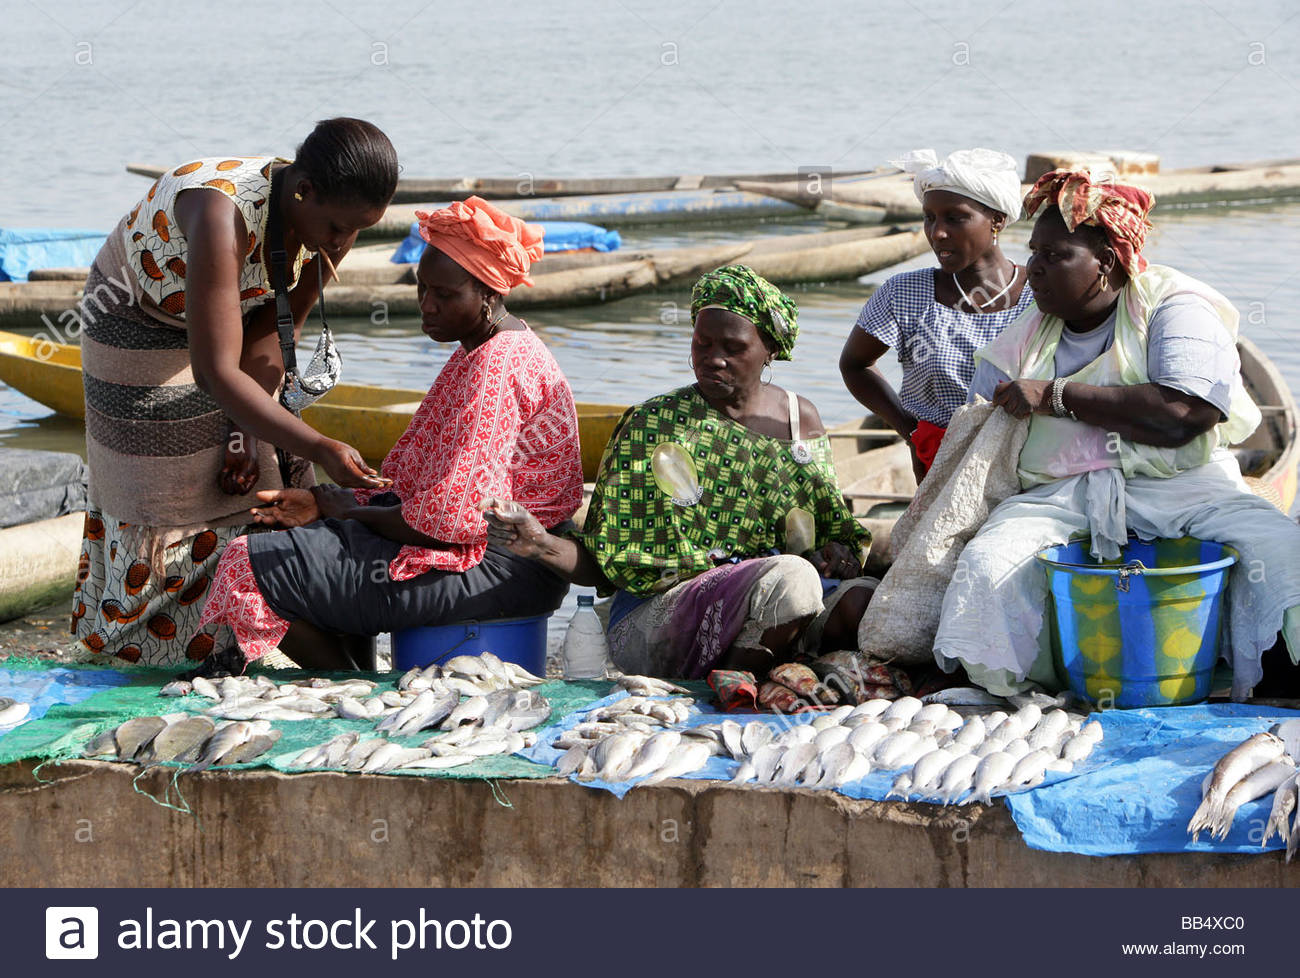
(1058, 400)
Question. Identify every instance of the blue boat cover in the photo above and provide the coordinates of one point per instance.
(559, 236)
(22, 249)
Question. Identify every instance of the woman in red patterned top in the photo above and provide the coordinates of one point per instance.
(498, 421)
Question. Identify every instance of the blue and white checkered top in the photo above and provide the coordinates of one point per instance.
(935, 343)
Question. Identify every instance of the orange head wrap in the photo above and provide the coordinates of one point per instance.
(494, 247)
(1118, 209)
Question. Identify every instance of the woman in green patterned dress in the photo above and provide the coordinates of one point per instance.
(716, 515)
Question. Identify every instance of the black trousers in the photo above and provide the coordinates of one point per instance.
(334, 574)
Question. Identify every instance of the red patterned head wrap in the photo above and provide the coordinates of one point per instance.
(1118, 209)
(494, 247)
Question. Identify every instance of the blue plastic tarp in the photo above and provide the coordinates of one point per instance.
(1143, 802)
(559, 236)
(44, 688)
(22, 249)
(1135, 792)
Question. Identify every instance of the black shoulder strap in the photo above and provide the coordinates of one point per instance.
(278, 270)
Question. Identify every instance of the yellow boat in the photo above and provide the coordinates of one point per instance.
(368, 418)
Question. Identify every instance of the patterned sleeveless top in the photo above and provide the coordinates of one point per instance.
(156, 249)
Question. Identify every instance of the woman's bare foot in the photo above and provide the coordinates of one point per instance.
(239, 471)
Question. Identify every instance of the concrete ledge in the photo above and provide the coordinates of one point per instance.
(261, 828)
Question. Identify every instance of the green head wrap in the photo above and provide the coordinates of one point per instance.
(738, 289)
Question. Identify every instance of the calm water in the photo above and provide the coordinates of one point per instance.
(572, 88)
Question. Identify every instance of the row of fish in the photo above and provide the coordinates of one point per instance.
(945, 754)
(1262, 764)
(628, 738)
(184, 738)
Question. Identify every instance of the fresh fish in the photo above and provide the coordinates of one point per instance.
(1092, 730)
(438, 708)
(390, 697)
(408, 677)
(329, 754)
(835, 762)
(685, 759)
(766, 759)
(391, 755)
(971, 733)
(571, 761)
(497, 667)
(950, 722)
(177, 687)
(963, 696)
(1288, 731)
(650, 686)
(994, 720)
(374, 707)
(102, 744)
(991, 774)
(958, 778)
(733, 738)
(1060, 765)
(1249, 756)
(134, 735)
(499, 703)
(616, 753)
(493, 741)
(858, 768)
(1049, 728)
(830, 737)
(180, 741)
(901, 787)
(929, 769)
(913, 754)
(903, 708)
(470, 666)
(221, 743)
(755, 735)
(1018, 748)
(745, 772)
(864, 739)
(1029, 715)
(871, 708)
(350, 709)
(251, 749)
(522, 676)
(1257, 784)
(530, 710)
(360, 753)
(932, 712)
(890, 751)
(1032, 765)
(1077, 748)
(204, 687)
(800, 733)
(463, 687)
(893, 724)
(812, 772)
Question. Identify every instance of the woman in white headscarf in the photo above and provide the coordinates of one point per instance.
(936, 318)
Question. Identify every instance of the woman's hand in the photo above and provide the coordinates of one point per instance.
(286, 508)
(835, 561)
(346, 466)
(511, 526)
(1021, 398)
(918, 467)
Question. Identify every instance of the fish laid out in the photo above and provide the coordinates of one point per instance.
(12, 712)
(941, 755)
(627, 739)
(1262, 764)
(182, 738)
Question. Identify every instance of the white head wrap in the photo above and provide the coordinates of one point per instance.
(980, 174)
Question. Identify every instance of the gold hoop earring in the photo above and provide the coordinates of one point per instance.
(768, 366)
(297, 196)
(1101, 281)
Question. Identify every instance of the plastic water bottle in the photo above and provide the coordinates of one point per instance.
(585, 650)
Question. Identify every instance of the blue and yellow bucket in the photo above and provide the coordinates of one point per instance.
(1142, 630)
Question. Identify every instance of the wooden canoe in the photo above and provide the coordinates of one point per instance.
(412, 190)
(1196, 186)
(875, 467)
(366, 417)
(576, 279)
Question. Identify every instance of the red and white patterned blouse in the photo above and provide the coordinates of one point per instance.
(498, 421)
